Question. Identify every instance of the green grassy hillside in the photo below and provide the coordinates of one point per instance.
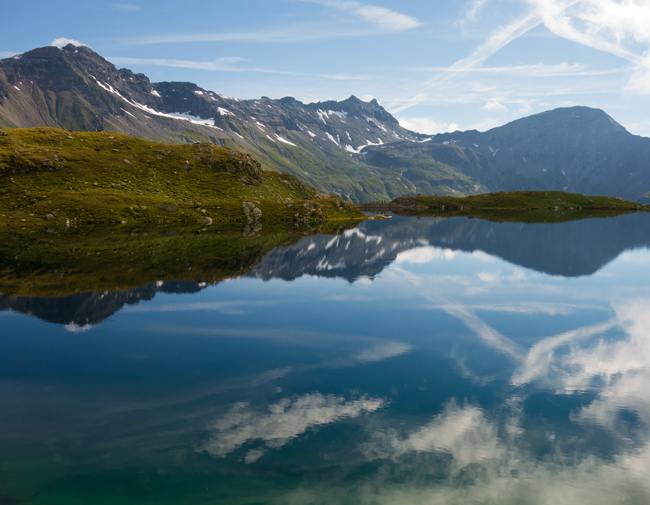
(526, 206)
(58, 177)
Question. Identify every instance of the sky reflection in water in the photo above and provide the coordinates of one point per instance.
(444, 375)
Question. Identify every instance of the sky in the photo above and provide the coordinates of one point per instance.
(436, 65)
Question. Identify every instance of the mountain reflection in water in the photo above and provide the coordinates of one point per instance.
(569, 249)
(408, 361)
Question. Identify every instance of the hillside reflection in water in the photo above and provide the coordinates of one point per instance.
(407, 361)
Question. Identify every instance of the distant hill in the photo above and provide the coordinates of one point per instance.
(575, 149)
(353, 148)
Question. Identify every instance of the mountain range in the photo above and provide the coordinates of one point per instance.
(352, 148)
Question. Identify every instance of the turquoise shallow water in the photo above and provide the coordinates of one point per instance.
(419, 361)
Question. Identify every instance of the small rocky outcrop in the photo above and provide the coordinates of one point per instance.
(252, 213)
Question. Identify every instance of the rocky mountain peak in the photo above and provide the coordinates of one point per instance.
(357, 108)
(595, 121)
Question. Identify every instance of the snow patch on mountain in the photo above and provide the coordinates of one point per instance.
(285, 141)
(329, 136)
(173, 115)
(224, 112)
(358, 149)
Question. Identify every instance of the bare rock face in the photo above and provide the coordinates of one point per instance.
(252, 213)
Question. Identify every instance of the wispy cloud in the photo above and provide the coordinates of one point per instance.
(385, 19)
(221, 64)
(7, 54)
(374, 18)
(278, 424)
(613, 26)
(474, 8)
(125, 7)
(350, 77)
(501, 37)
(296, 33)
(536, 70)
(225, 64)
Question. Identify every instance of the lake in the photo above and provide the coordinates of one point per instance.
(415, 361)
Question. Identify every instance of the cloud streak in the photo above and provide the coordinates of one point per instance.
(499, 39)
(125, 7)
(377, 19)
(281, 422)
(225, 64)
(618, 27)
(536, 70)
(385, 19)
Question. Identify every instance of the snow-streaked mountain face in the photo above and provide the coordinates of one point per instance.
(75, 88)
(352, 148)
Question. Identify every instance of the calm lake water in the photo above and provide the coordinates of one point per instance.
(414, 361)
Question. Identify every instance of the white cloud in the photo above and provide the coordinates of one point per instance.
(488, 335)
(224, 64)
(229, 308)
(422, 255)
(526, 109)
(461, 432)
(125, 7)
(281, 422)
(501, 37)
(221, 64)
(382, 351)
(474, 8)
(296, 33)
(387, 20)
(618, 27)
(639, 83)
(426, 125)
(384, 19)
(494, 105)
(7, 54)
(534, 70)
(75, 328)
(62, 42)
(350, 77)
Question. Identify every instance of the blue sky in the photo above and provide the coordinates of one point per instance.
(436, 65)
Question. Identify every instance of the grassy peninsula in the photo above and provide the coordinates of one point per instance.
(523, 206)
(57, 177)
